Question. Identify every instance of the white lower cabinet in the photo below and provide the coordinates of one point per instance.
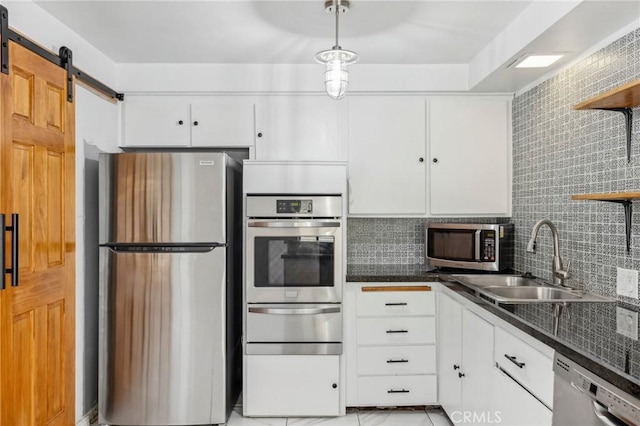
(515, 406)
(466, 364)
(390, 344)
(489, 372)
(292, 385)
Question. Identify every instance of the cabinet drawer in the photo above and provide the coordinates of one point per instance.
(383, 331)
(397, 390)
(535, 372)
(392, 360)
(398, 303)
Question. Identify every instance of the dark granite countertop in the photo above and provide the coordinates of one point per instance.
(389, 273)
(586, 332)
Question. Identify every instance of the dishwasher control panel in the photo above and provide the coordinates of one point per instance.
(616, 405)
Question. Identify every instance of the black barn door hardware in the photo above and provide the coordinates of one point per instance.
(3, 230)
(14, 250)
(63, 59)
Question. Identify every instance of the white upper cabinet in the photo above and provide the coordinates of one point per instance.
(387, 162)
(153, 124)
(221, 122)
(469, 155)
(224, 123)
(304, 128)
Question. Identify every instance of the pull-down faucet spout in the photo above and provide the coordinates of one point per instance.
(557, 268)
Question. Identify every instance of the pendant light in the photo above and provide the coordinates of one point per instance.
(336, 60)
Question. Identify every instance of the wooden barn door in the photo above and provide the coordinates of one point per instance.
(37, 317)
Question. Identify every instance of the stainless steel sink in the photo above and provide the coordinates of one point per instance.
(513, 289)
(531, 294)
(495, 280)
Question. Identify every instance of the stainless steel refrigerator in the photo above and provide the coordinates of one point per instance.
(170, 288)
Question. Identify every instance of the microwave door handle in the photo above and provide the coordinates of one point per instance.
(478, 232)
(294, 224)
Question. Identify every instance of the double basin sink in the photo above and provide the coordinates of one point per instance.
(512, 289)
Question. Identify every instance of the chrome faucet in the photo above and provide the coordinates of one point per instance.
(557, 268)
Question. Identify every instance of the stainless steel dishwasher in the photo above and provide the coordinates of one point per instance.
(581, 398)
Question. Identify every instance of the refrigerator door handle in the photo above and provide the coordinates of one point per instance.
(162, 248)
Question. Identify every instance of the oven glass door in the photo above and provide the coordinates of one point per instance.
(294, 261)
(453, 244)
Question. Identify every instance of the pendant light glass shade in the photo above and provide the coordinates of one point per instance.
(336, 74)
(336, 60)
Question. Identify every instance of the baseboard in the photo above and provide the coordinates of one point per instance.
(91, 418)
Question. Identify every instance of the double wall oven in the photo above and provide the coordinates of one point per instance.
(294, 274)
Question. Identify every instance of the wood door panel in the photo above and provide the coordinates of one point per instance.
(55, 208)
(23, 366)
(55, 100)
(55, 388)
(23, 95)
(22, 159)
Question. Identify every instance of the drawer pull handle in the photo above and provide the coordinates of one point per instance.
(396, 304)
(460, 375)
(397, 391)
(393, 361)
(513, 360)
(397, 331)
(456, 366)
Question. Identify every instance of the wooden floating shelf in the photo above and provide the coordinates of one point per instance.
(624, 198)
(627, 96)
(620, 99)
(616, 196)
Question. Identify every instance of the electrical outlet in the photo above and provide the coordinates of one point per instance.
(627, 322)
(627, 283)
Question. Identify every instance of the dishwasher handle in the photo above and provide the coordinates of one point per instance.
(605, 417)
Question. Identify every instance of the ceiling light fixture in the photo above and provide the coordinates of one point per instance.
(336, 60)
(537, 61)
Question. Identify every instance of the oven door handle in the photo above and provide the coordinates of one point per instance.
(294, 311)
(294, 224)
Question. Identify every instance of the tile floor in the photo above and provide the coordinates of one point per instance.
(354, 417)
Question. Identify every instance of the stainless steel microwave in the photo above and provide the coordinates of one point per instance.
(485, 247)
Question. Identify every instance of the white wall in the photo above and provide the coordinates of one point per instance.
(283, 78)
(96, 122)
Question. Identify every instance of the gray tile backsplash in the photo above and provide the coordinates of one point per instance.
(385, 241)
(558, 152)
(392, 241)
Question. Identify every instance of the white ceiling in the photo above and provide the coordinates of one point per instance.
(483, 34)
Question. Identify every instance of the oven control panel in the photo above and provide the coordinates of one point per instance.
(294, 206)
